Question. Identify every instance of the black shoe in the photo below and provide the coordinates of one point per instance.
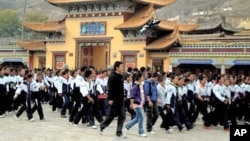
(190, 127)
(120, 135)
(63, 116)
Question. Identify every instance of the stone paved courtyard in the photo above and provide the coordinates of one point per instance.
(55, 128)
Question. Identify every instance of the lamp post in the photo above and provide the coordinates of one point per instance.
(24, 15)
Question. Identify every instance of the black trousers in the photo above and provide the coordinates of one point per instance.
(201, 107)
(3, 103)
(117, 109)
(26, 105)
(94, 111)
(83, 111)
(219, 114)
(152, 115)
(76, 105)
(37, 98)
(56, 102)
(175, 117)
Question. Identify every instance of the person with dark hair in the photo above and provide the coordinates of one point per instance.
(94, 108)
(150, 87)
(127, 92)
(202, 99)
(86, 89)
(142, 69)
(172, 104)
(129, 70)
(102, 92)
(116, 99)
(161, 97)
(38, 89)
(220, 103)
(19, 80)
(136, 102)
(64, 91)
(191, 96)
(76, 96)
(56, 100)
(25, 88)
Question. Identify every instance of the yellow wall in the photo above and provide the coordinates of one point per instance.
(99, 54)
(35, 61)
(73, 31)
(54, 47)
(166, 63)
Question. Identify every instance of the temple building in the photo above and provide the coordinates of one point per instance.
(97, 32)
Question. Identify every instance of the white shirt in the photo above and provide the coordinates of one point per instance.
(128, 88)
(86, 88)
(161, 95)
(219, 92)
(201, 91)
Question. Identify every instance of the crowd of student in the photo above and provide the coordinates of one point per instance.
(85, 94)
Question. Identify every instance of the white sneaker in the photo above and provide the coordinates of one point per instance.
(125, 131)
(143, 135)
(31, 120)
(170, 131)
(70, 123)
(17, 118)
(152, 132)
(76, 125)
(2, 115)
(93, 127)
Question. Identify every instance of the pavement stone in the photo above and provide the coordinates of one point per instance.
(55, 128)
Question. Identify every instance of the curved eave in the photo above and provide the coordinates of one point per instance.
(157, 3)
(56, 2)
(203, 28)
(169, 25)
(164, 42)
(33, 45)
(140, 18)
(46, 26)
(234, 30)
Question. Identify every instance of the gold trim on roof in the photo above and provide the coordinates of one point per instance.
(32, 45)
(165, 41)
(45, 26)
(138, 19)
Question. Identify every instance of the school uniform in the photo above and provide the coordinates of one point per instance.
(85, 89)
(102, 88)
(37, 92)
(76, 96)
(219, 114)
(25, 90)
(171, 99)
(64, 89)
(127, 93)
(202, 105)
(94, 108)
(21, 97)
(191, 100)
(57, 101)
(12, 89)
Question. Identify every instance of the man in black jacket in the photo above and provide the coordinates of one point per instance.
(116, 99)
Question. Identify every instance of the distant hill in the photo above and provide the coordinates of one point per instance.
(182, 8)
(53, 13)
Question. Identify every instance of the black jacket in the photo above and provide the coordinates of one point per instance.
(116, 88)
